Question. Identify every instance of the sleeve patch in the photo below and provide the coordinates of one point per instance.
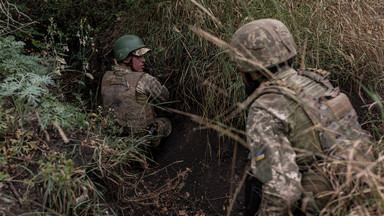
(260, 156)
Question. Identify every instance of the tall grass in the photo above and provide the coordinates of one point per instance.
(342, 37)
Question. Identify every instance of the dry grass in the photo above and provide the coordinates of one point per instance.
(358, 183)
(346, 38)
(341, 36)
(355, 32)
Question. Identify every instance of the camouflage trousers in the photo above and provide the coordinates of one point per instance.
(154, 133)
(163, 128)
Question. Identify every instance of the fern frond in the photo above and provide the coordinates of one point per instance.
(25, 87)
(9, 87)
(31, 94)
(23, 64)
(65, 115)
(40, 80)
(9, 48)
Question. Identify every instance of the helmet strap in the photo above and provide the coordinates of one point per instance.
(130, 64)
(279, 67)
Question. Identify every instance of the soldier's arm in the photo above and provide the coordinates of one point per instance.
(273, 159)
(150, 86)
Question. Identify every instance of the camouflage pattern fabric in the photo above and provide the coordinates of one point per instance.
(275, 126)
(141, 51)
(147, 88)
(261, 43)
(273, 158)
(147, 85)
(163, 129)
(150, 86)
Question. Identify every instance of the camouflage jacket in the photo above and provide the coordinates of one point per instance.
(276, 126)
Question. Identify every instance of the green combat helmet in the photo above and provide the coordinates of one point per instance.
(260, 44)
(125, 45)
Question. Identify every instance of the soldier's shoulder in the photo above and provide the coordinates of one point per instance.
(270, 100)
(107, 74)
(273, 103)
(147, 78)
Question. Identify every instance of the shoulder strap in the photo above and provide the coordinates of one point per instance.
(124, 80)
(320, 76)
(288, 89)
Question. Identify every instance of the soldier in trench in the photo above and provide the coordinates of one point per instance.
(130, 91)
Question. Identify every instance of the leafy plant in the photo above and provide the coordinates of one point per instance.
(9, 48)
(115, 158)
(25, 89)
(26, 84)
(6, 119)
(65, 115)
(102, 122)
(67, 189)
(120, 152)
(26, 78)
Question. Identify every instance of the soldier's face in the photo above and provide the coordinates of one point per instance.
(251, 81)
(138, 63)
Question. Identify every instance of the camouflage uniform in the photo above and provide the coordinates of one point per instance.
(145, 87)
(275, 126)
(293, 118)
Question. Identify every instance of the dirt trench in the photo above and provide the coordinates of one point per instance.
(193, 172)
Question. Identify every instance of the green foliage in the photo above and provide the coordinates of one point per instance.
(103, 122)
(10, 48)
(6, 119)
(117, 155)
(55, 39)
(22, 144)
(58, 171)
(65, 115)
(3, 164)
(65, 23)
(25, 81)
(198, 73)
(26, 89)
(67, 189)
(22, 64)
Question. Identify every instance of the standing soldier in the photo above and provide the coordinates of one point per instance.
(129, 91)
(294, 119)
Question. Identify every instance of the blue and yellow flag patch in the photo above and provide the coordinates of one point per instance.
(260, 156)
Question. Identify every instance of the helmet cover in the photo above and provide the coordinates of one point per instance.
(260, 44)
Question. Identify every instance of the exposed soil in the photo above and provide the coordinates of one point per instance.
(193, 174)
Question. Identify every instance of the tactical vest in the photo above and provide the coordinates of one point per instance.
(118, 91)
(330, 111)
(335, 124)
